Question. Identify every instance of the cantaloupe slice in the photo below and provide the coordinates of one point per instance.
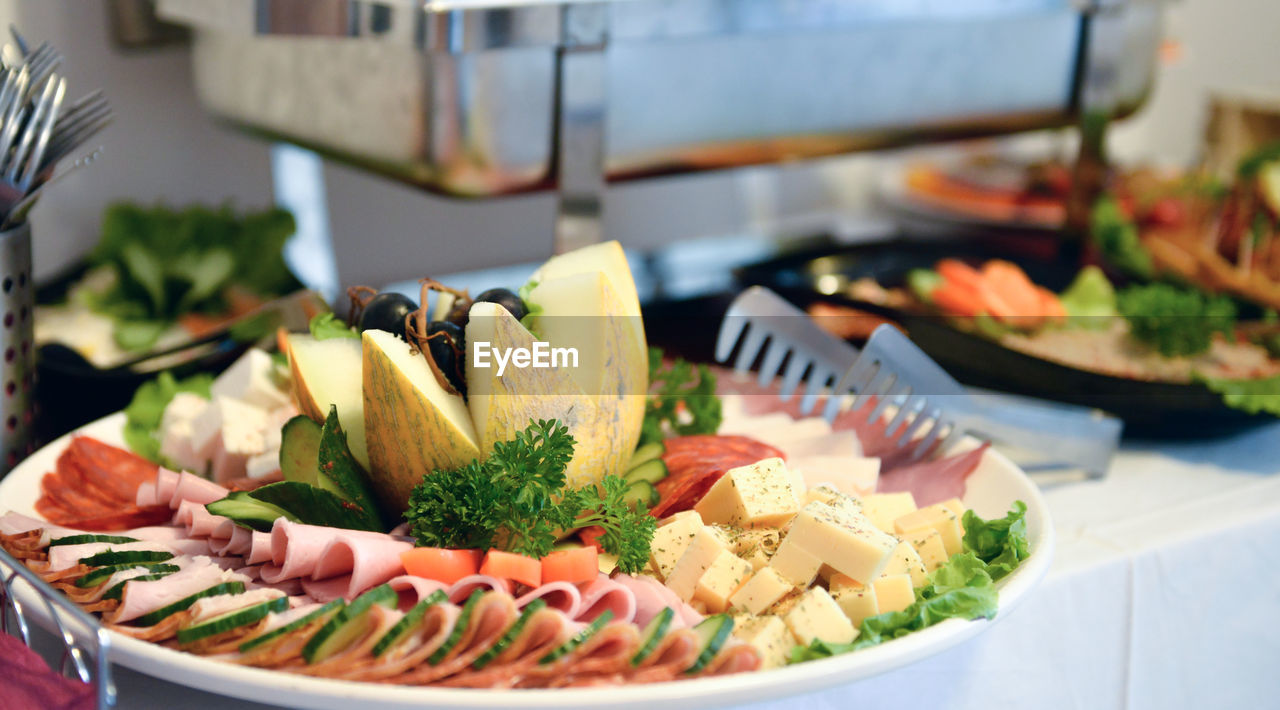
(412, 425)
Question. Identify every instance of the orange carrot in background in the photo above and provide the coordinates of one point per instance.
(957, 300)
(574, 565)
(517, 568)
(959, 273)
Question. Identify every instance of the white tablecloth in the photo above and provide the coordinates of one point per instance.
(1165, 593)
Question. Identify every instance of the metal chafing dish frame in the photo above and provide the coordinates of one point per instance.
(550, 57)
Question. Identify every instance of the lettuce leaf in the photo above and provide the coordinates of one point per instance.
(1090, 300)
(1253, 396)
(962, 588)
(1116, 237)
(146, 410)
(326, 325)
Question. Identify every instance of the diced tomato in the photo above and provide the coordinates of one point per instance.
(440, 564)
(574, 565)
(509, 565)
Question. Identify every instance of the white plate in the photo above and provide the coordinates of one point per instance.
(992, 488)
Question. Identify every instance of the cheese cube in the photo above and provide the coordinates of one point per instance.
(856, 601)
(894, 593)
(237, 426)
(907, 561)
(795, 564)
(671, 539)
(762, 591)
(759, 495)
(937, 517)
(176, 447)
(956, 506)
(850, 544)
(816, 616)
(262, 465)
(226, 465)
(250, 380)
(769, 635)
(184, 407)
(841, 502)
(928, 544)
(725, 576)
(757, 546)
(701, 552)
(784, 605)
(884, 508)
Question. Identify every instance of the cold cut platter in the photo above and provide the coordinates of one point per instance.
(451, 537)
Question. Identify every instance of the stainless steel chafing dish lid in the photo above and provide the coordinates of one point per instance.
(460, 96)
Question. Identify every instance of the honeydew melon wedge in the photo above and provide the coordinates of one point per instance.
(412, 425)
(327, 372)
(606, 258)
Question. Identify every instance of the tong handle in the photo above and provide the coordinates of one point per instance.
(1067, 435)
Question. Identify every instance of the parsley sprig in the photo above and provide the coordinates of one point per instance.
(676, 386)
(517, 500)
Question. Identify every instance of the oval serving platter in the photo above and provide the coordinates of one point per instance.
(991, 490)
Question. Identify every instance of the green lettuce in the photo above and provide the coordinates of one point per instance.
(146, 410)
(326, 325)
(1255, 396)
(1116, 237)
(962, 588)
(1090, 300)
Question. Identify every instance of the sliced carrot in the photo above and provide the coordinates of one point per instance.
(994, 304)
(440, 564)
(1050, 305)
(1013, 286)
(959, 273)
(574, 565)
(957, 300)
(517, 568)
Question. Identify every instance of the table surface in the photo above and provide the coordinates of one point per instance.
(1164, 593)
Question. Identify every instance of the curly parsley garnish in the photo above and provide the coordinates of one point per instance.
(516, 500)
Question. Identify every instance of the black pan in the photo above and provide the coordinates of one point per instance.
(1150, 409)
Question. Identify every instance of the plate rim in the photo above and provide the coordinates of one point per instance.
(265, 685)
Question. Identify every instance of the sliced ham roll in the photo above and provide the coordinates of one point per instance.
(413, 589)
(291, 587)
(371, 560)
(210, 607)
(561, 596)
(238, 542)
(490, 618)
(194, 488)
(157, 533)
(736, 657)
(463, 588)
(675, 653)
(166, 483)
(933, 481)
(652, 596)
(604, 594)
(147, 494)
(145, 597)
(297, 550)
(64, 557)
(543, 632)
(360, 649)
(259, 548)
(606, 653)
(436, 626)
(200, 522)
(12, 523)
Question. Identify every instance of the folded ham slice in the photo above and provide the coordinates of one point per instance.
(194, 488)
(463, 588)
(542, 633)
(603, 594)
(63, 557)
(564, 597)
(145, 597)
(166, 483)
(413, 589)
(210, 607)
(652, 596)
(147, 494)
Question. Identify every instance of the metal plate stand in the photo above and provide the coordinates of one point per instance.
(580, 112)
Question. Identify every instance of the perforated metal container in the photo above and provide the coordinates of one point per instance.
(17, 369)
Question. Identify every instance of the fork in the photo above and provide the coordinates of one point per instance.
(932, 409)
(19, 167)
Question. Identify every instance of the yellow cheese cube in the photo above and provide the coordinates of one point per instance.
(762, 591)
(759, 495)
(856, 601)
(671, 539)
(698, 556)
(937, 517)
(798, 486)
(785, 604)
(796, 564)
(893, 593)
(907, 561)
(724, 577)
(850, 544)
(841, 502)
(956, 506)
(757, 546)
(928, 545)
(816, 616)
(769, 635)
(884, 508)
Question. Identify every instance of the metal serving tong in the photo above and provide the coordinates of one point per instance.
(928, 407)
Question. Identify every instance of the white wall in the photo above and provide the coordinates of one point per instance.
(163, 147)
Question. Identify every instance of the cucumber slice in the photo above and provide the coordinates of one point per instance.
(300, 454)
(580, 638)
(411, 619)
(347, 625)
(89, 537)
(640, 492)
(249, 512)
(342, 471)
(712, 631)
(652, 633)
(117, 590)
(648, 452)
(323, 612)
(651, 471)
(99, 575)
(163, 613)
(460, 626)
(232, 620)
(530, 609)
(111, 557)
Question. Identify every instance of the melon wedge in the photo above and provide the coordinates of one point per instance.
(503, 405)
(327, 372)
(413, 426)
(606, 258)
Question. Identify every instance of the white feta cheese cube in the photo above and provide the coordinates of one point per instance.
(249, 379)
(263, 464)
(234, 426)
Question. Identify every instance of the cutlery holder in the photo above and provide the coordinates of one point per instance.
(17, 369)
